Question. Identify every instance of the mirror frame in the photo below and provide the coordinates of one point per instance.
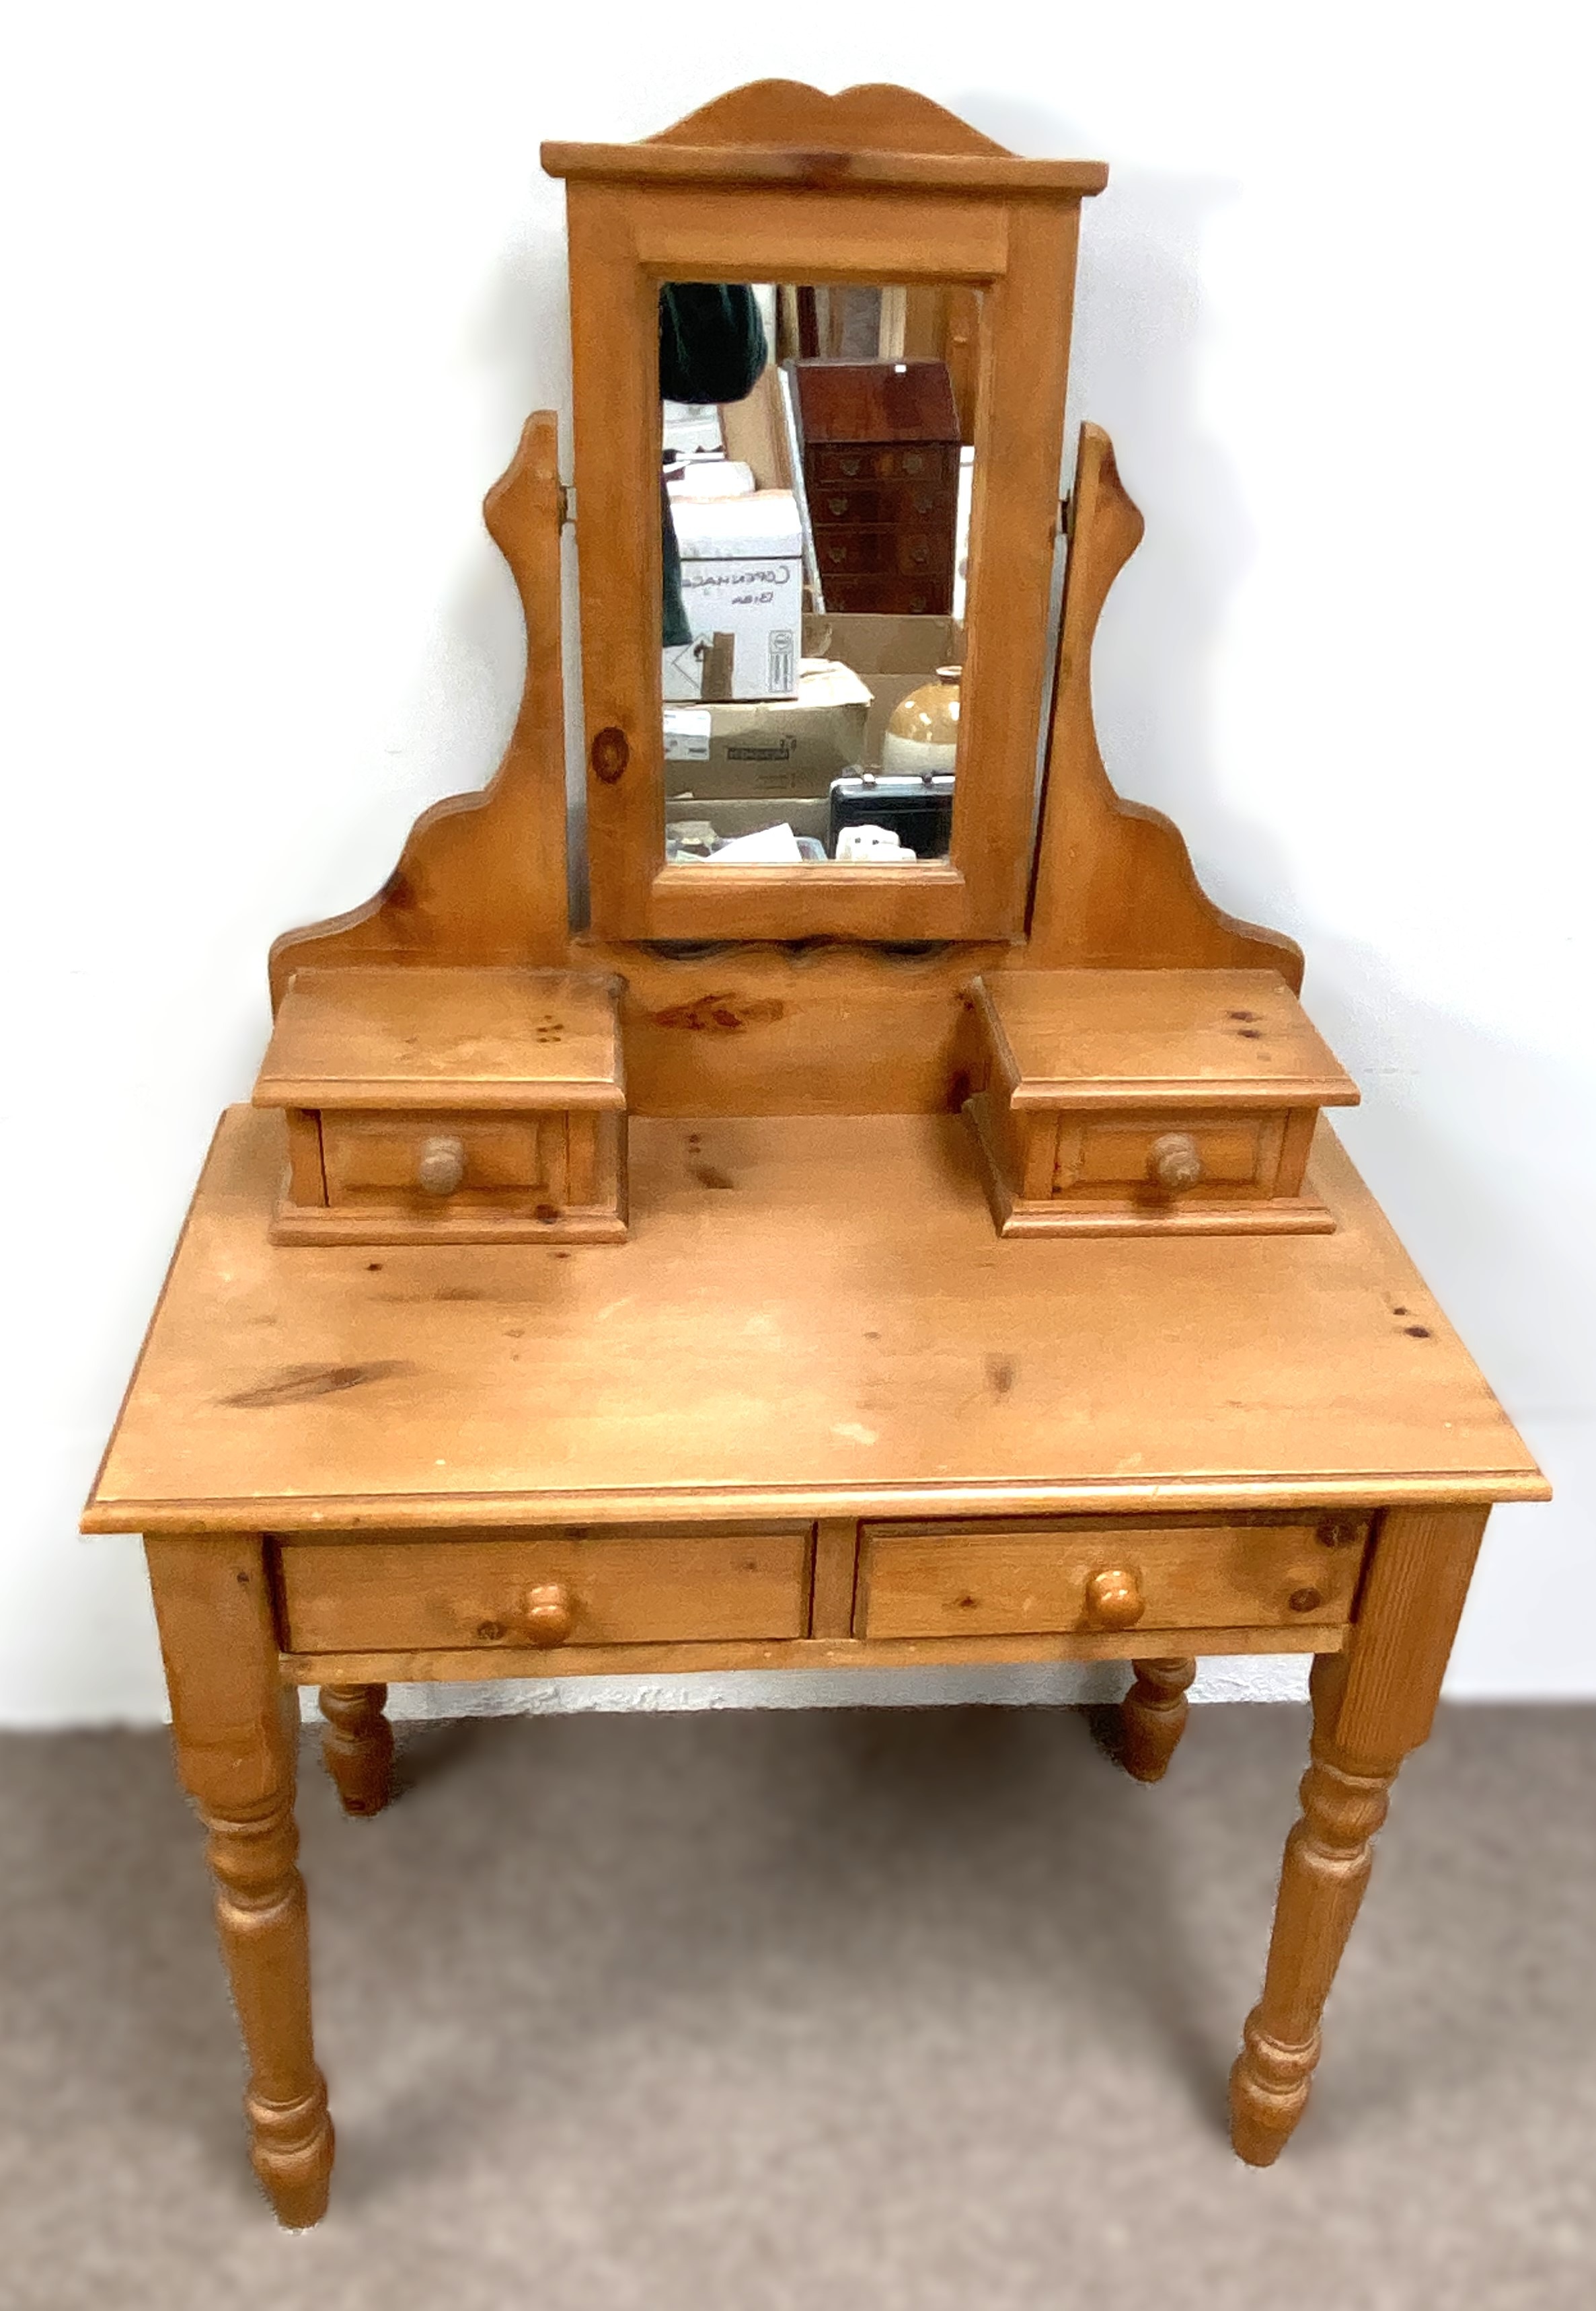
(882, 187)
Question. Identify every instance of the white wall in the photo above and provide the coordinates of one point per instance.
(286, 278)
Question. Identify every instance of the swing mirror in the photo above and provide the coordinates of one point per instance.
(819, 407)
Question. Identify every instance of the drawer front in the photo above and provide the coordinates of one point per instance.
(892, 503)
(381, 1157)
(891, 596)
(1239, 1154)
(912, 461)
(903, 553)
(545, 1589)
(1021, 1580)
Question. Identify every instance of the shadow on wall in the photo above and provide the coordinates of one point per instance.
(469, 664)
(1477, 1149)
(1139, 335)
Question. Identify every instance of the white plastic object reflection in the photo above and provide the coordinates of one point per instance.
(878, 844)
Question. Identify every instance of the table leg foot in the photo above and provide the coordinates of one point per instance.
(1328, 1857)
(1269, 2093)
(290, 2149)
(357, 1747)
(1372, 1704)
(262, 1925)
(235, 1730)
(1153, 1716)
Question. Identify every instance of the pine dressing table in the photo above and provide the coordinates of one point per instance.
(820, 1264)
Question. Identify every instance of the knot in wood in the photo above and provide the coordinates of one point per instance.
(609, 754)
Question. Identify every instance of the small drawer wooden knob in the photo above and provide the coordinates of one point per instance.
(1174, 1162)
(1114, 1599)
(551, 1614)
(442, 1166)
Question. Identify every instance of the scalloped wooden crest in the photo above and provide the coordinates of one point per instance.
(876, 116)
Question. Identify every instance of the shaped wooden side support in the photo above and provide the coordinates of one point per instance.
(1114, 881)
(752, 1029)
(482, 878)
(236, 1729)
(1372, 1704)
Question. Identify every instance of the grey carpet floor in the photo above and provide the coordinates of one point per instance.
(919, 2009)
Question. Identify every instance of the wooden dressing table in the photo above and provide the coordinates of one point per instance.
(811, 1407)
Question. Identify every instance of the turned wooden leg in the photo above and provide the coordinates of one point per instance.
(1327, 1859)
(1153, 1716)
(1372, 1705)
(236, 1728)
(357, 1747)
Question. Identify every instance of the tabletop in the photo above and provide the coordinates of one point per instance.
(813, 1317)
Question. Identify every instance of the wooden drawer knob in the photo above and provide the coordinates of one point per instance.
(442, 1166)
(1174, 1162)
(1114, 1599)
(551, 1614)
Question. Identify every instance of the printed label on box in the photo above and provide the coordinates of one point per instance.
(686, 734)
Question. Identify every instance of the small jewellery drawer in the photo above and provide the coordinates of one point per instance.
(456, 1155)
(433, 1104)
(1026, 1579)
(1158, 1103)
(542, 1589)
(1127, 1151)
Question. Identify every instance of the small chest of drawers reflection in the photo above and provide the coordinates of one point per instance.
(881, 470)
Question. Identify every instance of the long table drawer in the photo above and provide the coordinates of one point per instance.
(1019, 1579)
(544, 1589)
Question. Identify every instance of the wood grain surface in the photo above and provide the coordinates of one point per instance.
(1142, 1038)
(462, 1663)
(1005, 1580)
(813, 1318)
(236, 1737)
(380, 1038)
(1372, 1705)
(784, 131)
(623, 1589)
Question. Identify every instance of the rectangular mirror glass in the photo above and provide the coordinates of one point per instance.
(818, 458)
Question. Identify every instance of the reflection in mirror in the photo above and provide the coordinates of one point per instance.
(818, 456)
